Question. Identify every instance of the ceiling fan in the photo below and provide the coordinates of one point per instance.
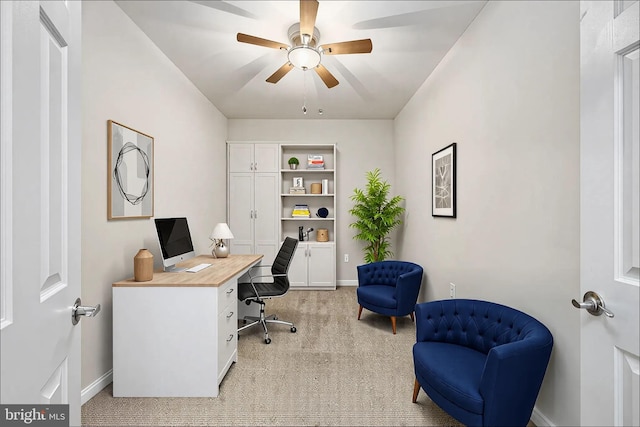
(304, 51)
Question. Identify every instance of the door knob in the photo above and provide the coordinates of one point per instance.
(593, 303)
(79, 310)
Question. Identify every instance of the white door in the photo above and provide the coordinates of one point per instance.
(322, 265)
(40, 203)
(240, 217)
(241, 158)
(298, 267)
(266, 158)
(266, 215)
(610, 228)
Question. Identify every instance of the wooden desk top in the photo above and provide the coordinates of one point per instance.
(220, 272)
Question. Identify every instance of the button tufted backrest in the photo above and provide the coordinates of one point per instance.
(384, 272)
(480, 325)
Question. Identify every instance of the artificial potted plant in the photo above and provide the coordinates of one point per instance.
(293, 163)
(375, 216)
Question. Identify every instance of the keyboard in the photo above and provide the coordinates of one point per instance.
(197, 268)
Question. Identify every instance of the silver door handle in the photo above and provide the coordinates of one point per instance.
(79, 310)
(593, 303)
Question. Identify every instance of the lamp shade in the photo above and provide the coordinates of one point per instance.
(221, 231)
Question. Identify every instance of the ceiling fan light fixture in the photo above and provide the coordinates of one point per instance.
(304, 57)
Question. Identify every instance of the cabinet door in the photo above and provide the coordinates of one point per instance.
(298, 267)
(266, 209)
(241, 189)
(322, 265)
(266, 157)
(241, 158)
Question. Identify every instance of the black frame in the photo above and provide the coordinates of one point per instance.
(446, 211)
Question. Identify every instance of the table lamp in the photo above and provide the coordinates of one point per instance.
(220, 232)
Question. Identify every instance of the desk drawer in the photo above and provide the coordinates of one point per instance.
(227, 295)
(227, 335)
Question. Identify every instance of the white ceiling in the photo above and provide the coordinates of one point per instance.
(409, 40)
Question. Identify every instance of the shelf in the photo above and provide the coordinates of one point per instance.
(307, 170)
(306, 195)
(307, 219)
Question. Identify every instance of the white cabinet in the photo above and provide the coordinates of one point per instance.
(313, 266)
(176, 335)
(261, 206)
(227, 327)
(253, 208)
(246, 157)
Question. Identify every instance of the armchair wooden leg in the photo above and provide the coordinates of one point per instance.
(393, 324)
(412, 317)
(359, 312)
(416, 390)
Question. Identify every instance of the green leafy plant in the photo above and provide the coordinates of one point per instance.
(376, 216)
(294, 161)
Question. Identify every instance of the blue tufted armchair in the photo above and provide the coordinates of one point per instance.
(389, 288)
(481, 362)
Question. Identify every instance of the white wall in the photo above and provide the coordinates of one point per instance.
(127, 79)
(508, 94)
(362, 145)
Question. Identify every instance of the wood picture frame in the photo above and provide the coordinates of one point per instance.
(443, 182)
(130, 173)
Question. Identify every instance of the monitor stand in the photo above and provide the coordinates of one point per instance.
(174, 269)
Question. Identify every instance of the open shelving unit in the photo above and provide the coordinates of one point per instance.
(315, 262)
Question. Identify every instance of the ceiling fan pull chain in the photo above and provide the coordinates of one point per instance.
(304, 92)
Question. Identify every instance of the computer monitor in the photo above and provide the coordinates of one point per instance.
(175, 242)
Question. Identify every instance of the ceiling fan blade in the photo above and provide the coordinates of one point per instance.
(355, 46)
(326, 76)
(245, 38)
(308, 13)
(282, 71)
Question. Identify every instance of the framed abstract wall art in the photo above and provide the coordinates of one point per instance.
(443, 182)
(130, 173)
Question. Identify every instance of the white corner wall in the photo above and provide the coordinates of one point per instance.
(362, 145)
(126, 78)
(508, 94)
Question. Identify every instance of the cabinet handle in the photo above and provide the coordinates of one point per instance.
(255, 215)
(255, 166)
(229, 315)
(230, 291)
(230, 338)
(251, 166)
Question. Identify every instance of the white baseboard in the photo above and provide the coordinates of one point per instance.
(95, 387)
(539, 419)
(347, 283)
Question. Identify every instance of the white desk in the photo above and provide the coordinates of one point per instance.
(176, 335)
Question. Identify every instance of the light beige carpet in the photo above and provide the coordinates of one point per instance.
(335, 370)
